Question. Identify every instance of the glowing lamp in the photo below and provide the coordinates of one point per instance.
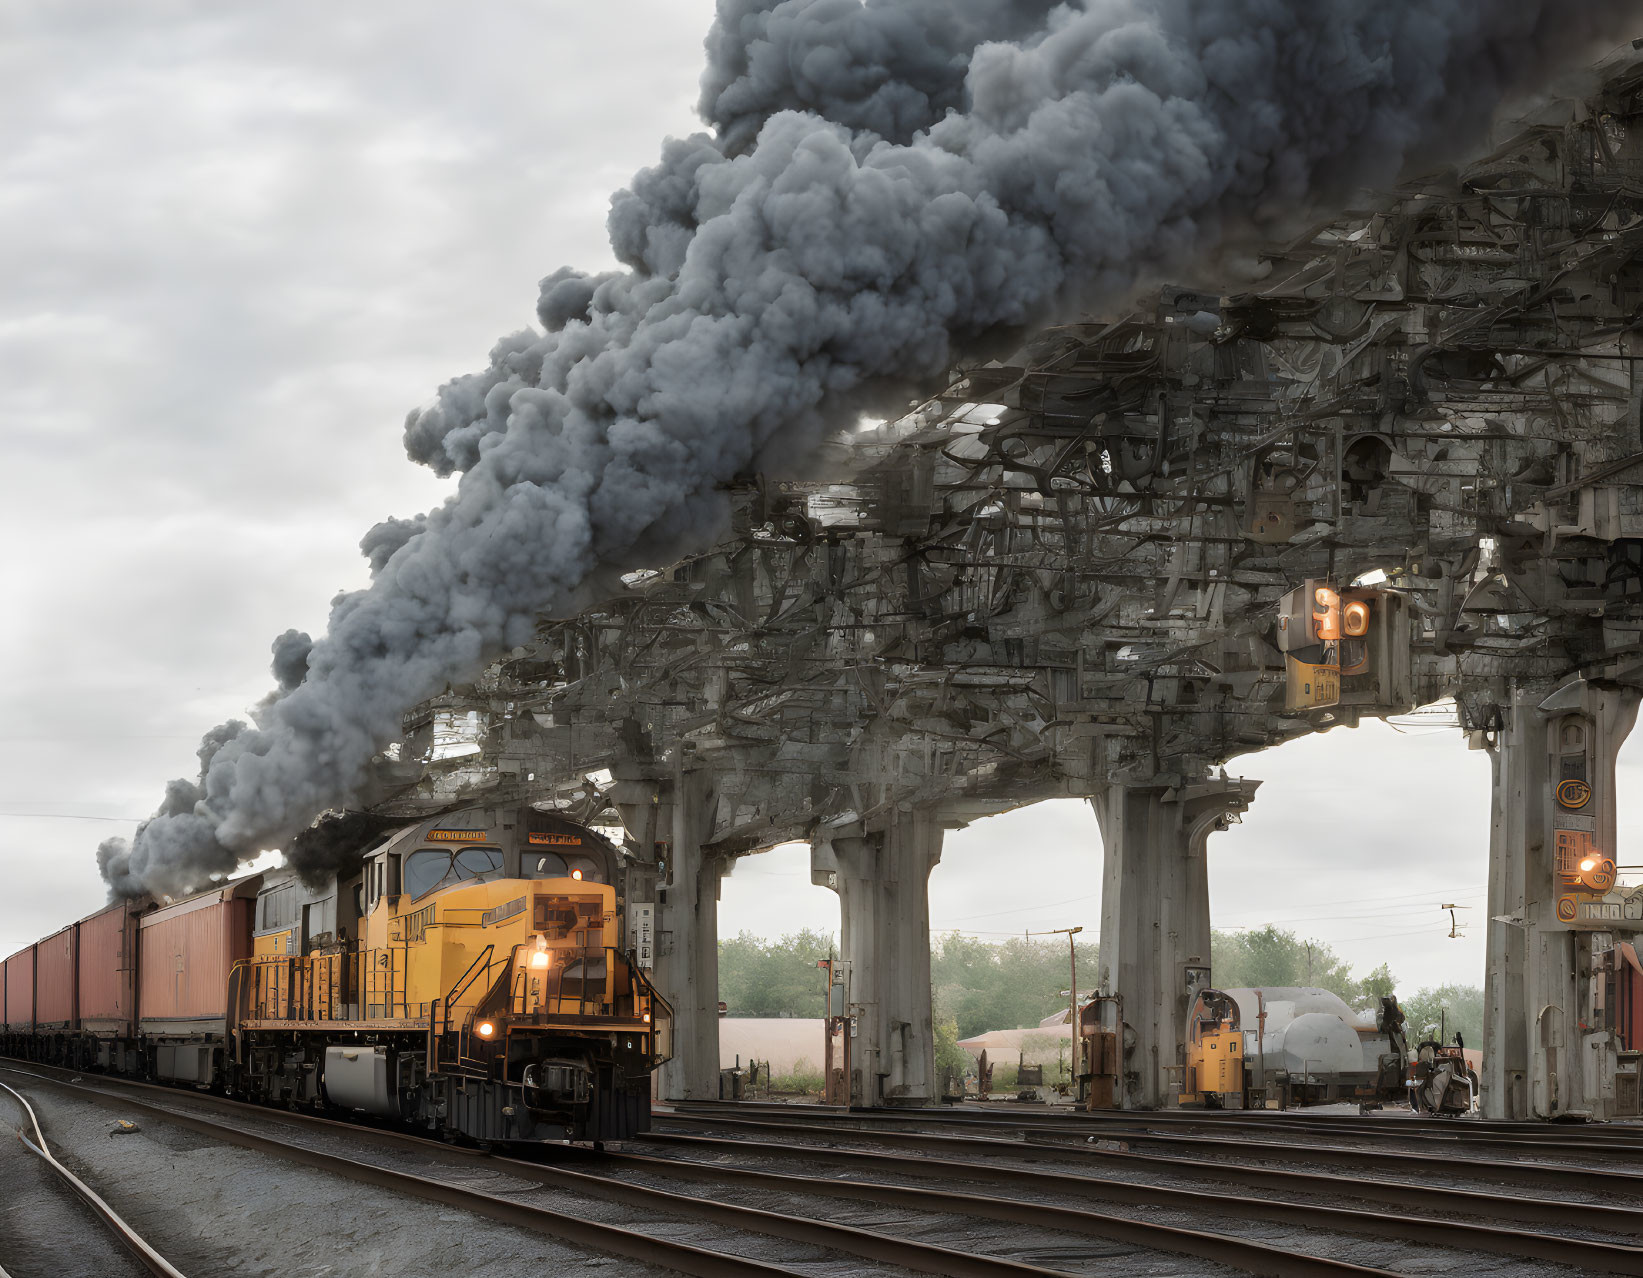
(485, 1029)
(540, 957)
(1326, 615)
(576, 874)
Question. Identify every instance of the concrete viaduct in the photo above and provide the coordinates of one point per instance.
(1094, 570)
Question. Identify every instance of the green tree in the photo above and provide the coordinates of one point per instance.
(1272, 957)
(951, 1059)
(1453, 1007)
(1013, 984)
(774, 978)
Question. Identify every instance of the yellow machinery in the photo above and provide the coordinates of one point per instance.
(472, 976)
(1214, 1076)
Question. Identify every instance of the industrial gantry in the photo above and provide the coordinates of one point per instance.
(1401, 462)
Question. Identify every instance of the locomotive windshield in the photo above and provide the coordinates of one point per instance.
(435, 867)
(558, 865)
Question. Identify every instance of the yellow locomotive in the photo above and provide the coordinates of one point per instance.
(472, 977)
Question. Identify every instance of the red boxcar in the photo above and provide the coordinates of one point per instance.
(108, 973)
(54, 984)
(186, 953)
(20, 992)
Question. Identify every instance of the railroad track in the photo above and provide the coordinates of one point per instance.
(978, 1181)
(1420, 1208)
(128, 1237)
(1249, 1256)
(1618, 1141)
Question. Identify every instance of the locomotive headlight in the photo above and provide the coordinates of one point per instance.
(485, 1029)
(1588, 865)
(576, 874)
(541, 957)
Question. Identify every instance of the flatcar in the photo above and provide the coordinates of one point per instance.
(468, 974)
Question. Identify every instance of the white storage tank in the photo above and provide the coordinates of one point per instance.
(1308, 1034)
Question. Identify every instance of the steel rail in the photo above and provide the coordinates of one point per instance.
(1253, 1257)
(1596, 1257)
(1144, 1126)
(865, 1243)
(1627, 1185)
(1407, 1196)
(1619, 1143)
(128, 1237)
(1240, 1253)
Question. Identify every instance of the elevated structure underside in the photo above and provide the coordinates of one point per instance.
(1063, 574)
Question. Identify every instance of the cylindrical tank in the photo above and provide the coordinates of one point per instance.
(1308, 1034)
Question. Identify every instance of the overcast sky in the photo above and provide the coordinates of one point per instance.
(239, 242)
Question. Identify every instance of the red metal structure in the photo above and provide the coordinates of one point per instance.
(1623, 997)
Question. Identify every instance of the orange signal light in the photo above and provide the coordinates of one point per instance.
(1595, 873)
(1355, 619)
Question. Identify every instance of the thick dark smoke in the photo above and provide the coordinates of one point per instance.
(887, 185)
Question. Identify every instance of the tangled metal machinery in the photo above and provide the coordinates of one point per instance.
(1400, 461)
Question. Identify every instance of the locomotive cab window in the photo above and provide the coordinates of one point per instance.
(554, 865)
(436, 867)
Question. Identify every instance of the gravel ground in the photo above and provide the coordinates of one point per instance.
(45, 1230)
(260, 1196)
(217, 1210)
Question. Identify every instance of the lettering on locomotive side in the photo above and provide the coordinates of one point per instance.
(455, 836)
(557, 840)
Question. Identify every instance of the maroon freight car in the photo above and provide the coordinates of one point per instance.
(55, 993)
(185, 954)
(108, 973)
(20, 992)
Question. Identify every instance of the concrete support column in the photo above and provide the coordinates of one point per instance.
(1554, 796)
(1155, 929)
(687, 951)
(882, 878)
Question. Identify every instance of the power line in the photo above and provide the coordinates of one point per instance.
(67, 816)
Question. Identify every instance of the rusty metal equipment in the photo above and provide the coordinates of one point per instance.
(1440, 1081)
(1214, 1075)
(1100, 1059)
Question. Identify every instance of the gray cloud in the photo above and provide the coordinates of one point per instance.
(889, 67)
(777, 285)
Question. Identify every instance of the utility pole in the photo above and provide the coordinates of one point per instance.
(1072, 991)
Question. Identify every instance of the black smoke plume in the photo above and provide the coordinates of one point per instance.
(886, 186)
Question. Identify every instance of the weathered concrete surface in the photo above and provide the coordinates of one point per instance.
(1155, 931)
(1545, 1054)
(883, 881)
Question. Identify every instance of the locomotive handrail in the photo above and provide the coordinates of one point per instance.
(466, 980)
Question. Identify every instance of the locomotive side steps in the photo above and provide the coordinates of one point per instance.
(133, 1241)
